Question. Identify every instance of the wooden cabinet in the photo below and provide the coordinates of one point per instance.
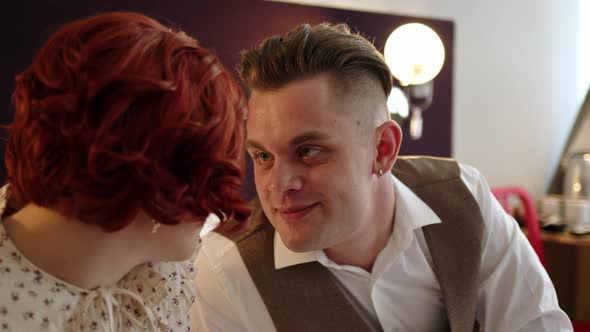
(568, 265)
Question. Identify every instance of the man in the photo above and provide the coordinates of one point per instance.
(357, 248)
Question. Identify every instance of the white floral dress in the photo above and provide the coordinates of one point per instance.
(151, 297)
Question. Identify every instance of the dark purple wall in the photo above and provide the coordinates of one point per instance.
(226, 27)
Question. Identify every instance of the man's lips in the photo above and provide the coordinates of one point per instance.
(296, 212)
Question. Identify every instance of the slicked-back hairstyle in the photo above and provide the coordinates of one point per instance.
(119, 113)
(311, 50)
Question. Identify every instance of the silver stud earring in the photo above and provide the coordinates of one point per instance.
(380, 173)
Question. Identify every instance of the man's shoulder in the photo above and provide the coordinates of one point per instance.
(420, 159)
(418, 171)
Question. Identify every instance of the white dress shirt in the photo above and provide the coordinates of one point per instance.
(402, 292)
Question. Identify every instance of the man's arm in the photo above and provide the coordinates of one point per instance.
(515, 292)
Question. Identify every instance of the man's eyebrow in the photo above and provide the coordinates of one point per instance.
(308, 136)
(253, 145)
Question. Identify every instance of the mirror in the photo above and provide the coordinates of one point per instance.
(578, 141)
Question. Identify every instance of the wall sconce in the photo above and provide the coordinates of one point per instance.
(415, 54)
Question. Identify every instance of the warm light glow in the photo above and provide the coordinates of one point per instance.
(415, 54)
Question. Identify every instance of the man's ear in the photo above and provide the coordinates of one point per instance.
(388, 137)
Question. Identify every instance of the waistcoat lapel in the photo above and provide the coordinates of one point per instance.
(454, 244)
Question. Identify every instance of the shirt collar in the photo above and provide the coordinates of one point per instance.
(411, 213)
(284, 257)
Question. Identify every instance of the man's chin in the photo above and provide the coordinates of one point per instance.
(297, 244)
(299, 249)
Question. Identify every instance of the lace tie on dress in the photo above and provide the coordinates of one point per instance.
(107, 295)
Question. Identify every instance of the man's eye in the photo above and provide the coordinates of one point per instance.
(308, 152)
(262, 156)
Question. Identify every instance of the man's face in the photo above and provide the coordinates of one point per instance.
(312, 163)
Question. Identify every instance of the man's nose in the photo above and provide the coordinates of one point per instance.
(284, 178)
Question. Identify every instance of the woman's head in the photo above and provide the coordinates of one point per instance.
(119, 114)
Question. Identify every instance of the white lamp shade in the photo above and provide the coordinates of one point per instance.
(414, 53)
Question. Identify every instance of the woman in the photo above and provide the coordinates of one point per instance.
(126, 136)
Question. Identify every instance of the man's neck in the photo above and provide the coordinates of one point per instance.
(80, 254)
(363, 247)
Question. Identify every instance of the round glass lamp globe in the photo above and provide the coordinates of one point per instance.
(414, 53)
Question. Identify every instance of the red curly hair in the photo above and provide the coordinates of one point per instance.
(119, 113)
